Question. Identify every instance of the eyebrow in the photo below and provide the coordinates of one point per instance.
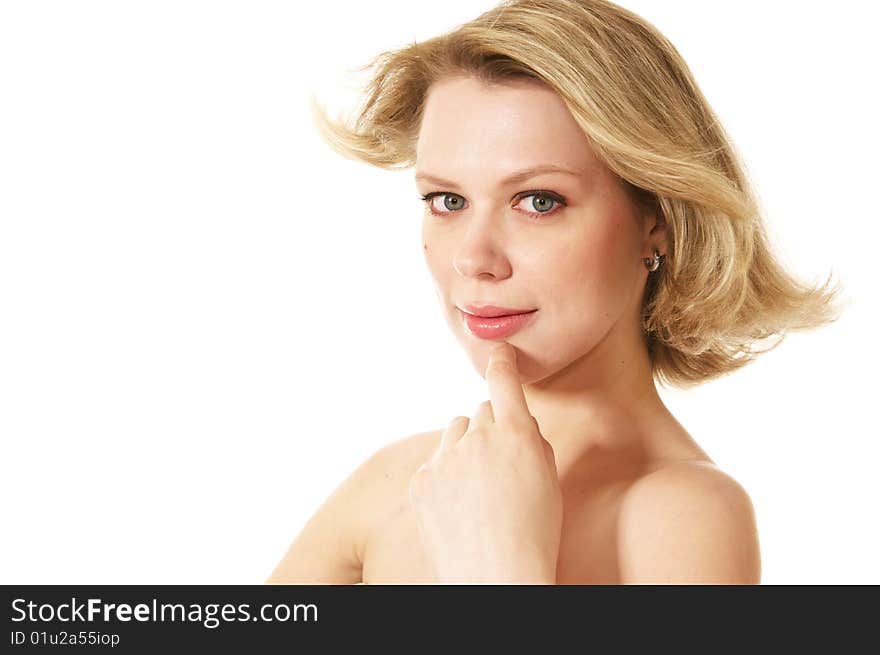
(518, 176)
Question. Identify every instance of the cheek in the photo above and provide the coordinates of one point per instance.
(431, 248)
(587, 281)
(596, 256)
(437, 261)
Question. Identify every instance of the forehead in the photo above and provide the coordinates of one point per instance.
(467, 123)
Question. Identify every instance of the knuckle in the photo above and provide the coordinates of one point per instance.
(476, 437)
(471, 443)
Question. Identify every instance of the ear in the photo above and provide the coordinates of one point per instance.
(654, 226)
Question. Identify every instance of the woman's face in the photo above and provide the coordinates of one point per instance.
(574, 253)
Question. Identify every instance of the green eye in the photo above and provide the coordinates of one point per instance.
(451, 201)
(541, 200)
(544, 201)
(451, 205)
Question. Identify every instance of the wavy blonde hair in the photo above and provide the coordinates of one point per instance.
(721, 293)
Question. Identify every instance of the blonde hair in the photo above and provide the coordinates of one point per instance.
(722, 291)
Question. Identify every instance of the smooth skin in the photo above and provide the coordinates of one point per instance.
(488, 503)
(641, 501)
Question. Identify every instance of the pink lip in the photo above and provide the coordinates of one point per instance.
(496, 327)
(491, 311)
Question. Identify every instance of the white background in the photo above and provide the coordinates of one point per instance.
(208, 319)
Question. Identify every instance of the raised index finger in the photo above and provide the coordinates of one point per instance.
(505, 390)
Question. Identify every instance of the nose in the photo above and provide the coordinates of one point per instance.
(481, 251)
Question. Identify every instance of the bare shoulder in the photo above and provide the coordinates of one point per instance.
(407, 454)
(688, 523)
(330, 547)
(389, 469)
(393, 464)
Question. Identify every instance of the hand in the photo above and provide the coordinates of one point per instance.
(488, 503)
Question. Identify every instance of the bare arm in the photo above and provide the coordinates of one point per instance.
(328, 548)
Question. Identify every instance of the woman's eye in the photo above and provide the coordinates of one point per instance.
(451, 202)
(542, 202)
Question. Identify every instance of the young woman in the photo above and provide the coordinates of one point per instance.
(590, 231)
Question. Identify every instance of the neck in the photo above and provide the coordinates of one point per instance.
(604, 401)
